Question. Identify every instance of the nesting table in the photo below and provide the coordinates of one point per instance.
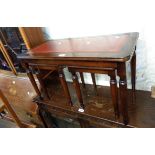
(106, 54)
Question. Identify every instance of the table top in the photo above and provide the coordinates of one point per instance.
(113, 47)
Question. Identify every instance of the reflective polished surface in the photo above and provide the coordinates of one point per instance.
(19, 93)
(118, 46)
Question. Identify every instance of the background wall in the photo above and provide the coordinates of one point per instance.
(95, 17)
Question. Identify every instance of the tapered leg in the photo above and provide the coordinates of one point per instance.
(93, 79)
(82, 79)
(114, 93)
(42, 84)
(65, 87)
(133, 75)
(33, 82)
(77, 88)
(123, 92)
(41, 117)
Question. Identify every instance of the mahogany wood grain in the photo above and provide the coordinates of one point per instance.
(116, 47)
(114, 92)
(96, 54)
(123, 92)
(64, 85)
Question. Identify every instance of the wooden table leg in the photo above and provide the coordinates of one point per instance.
(82, 79)
(93, 79)
(65, 87)
(123, 91)
(31, 77)
(77, 88)
(42, 84)
(41, 117)
(114, 92)
(133, 76)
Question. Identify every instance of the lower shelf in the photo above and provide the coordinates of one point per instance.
(99, 109)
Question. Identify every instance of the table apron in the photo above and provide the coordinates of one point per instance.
(67, 63)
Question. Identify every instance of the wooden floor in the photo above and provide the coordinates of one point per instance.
(20, 93)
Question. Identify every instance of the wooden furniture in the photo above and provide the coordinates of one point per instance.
(17, 40)
(7, 57)
(32, 36)
(7, 106)
(113, 83)
(101, 54)
(141, 113)
(11, 45)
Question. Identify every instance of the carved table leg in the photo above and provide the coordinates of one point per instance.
(133, 75)
(93, 79)
(123, 92)
(65, 87)
(77, 88)
(114, 93)
(33, 82)
(82, 79)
